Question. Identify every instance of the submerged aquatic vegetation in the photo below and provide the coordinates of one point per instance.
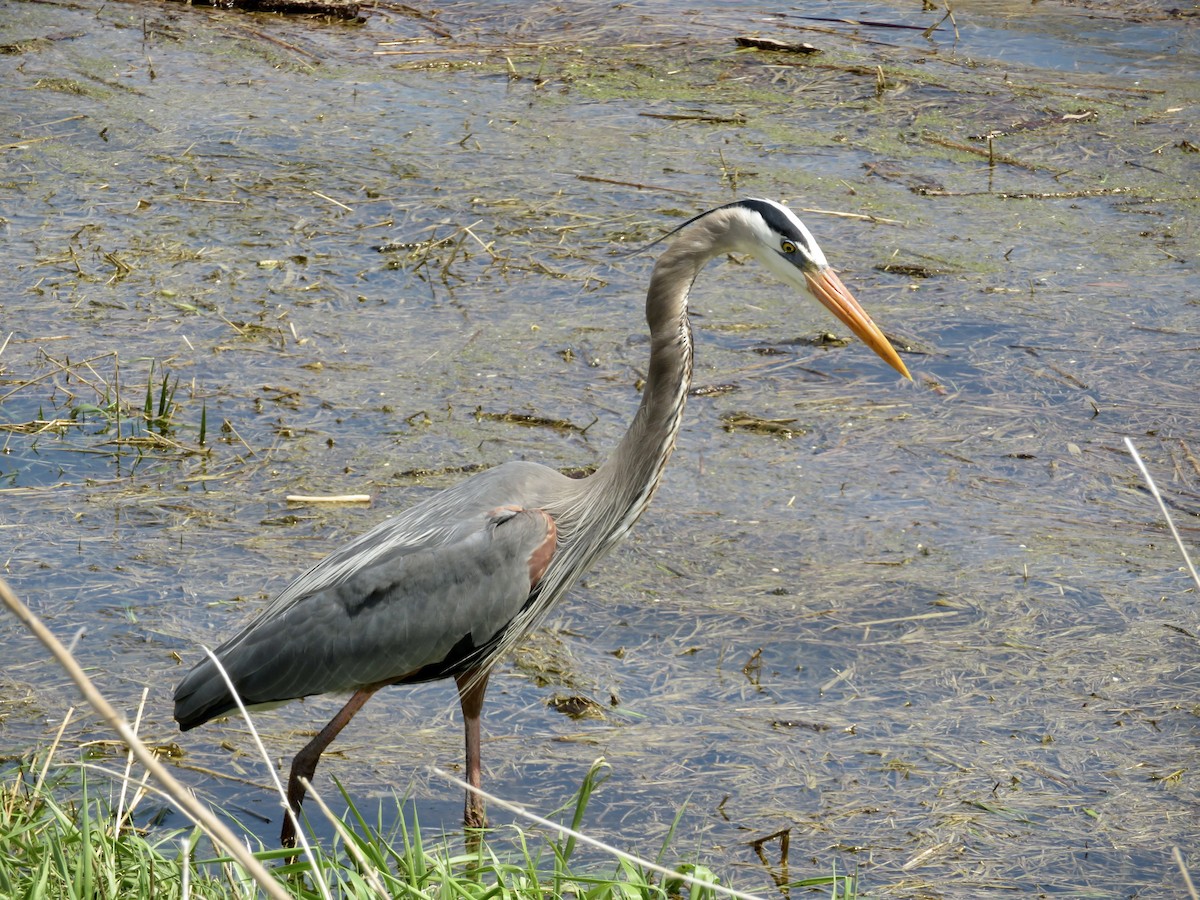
(83, 403)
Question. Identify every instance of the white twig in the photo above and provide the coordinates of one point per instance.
(1163, 506)
(592, 842)
(333, 498)
(75, 639)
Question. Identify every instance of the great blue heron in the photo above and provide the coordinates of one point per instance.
(446, 587)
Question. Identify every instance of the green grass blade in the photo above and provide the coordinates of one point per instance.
(148, 406)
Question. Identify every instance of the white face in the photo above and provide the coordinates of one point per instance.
(788, 228)
(782, 243)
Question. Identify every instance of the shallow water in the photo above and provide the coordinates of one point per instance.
(941, 635)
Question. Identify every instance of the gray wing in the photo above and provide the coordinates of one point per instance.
(413, 599)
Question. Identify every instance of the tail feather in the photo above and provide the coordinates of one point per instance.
(202, 696)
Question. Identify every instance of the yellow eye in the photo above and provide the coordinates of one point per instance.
(787, 248)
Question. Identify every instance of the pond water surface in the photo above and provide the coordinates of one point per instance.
(937, 630)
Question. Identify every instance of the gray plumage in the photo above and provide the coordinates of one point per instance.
(393, 611)
(446, 587)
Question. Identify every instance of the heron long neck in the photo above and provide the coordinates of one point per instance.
(627, 481)
(594, 513)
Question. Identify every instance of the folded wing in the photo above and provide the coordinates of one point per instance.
(420, 610)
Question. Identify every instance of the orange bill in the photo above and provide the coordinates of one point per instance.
(836, 298)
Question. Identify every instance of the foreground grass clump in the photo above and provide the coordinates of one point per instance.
(58, 840)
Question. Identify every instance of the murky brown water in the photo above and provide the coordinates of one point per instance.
(941, 636)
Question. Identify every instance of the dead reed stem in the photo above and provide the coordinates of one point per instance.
(180, 795)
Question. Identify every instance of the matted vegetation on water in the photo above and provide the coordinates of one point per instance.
(934, 634)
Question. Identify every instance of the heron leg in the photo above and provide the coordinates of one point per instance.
(305, 763)
(471, 688)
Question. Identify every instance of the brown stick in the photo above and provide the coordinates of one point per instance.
(334, 10)
(980, 151)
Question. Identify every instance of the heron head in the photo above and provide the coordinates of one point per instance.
(775, 236)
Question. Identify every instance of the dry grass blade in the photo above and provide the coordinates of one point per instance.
(41, 779)
(122, 811)
(181, 796)
(1163, 506)
(1187, 878)
(262, 750)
